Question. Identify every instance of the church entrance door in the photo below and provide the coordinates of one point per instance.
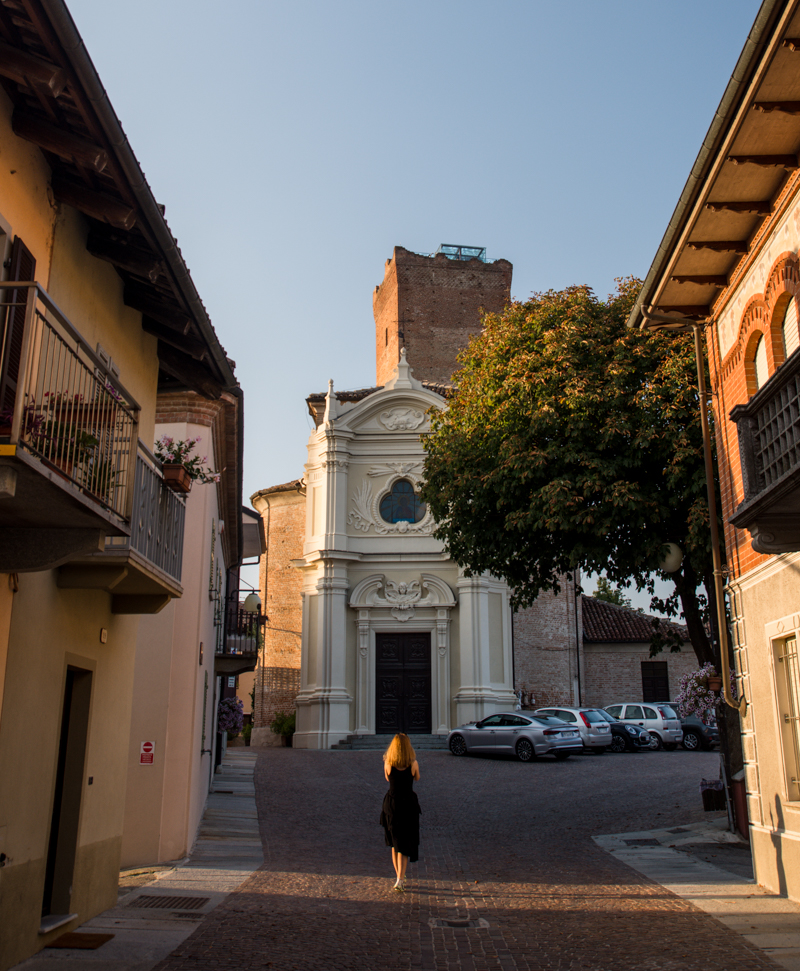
(403, 683)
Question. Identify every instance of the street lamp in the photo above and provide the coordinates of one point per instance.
(656, 321)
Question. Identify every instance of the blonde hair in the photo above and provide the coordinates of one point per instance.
(400, 753)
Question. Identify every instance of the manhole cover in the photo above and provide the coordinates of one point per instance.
(170, 903)
(643, 842)
(458, 923)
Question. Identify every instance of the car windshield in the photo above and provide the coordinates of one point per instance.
(669, 711)
(594, 716)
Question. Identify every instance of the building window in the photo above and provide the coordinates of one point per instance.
(789, 330)
(655, 681)
(402, 504)
(787, 673)
(761, 363)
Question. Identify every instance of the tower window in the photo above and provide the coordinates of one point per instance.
(791, 337)
(761, 363)
(402, 504)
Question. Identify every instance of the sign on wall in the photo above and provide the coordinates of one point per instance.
(146, 752)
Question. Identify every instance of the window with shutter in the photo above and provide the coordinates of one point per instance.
(787, 673)
(791, 338)
(761, 363)
(23, 267)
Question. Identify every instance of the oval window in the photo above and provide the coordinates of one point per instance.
(761, 363)
(402, 504)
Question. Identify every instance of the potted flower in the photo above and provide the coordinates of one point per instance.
(699, 691)
(283, 724)
(180, 467)
(230, 716)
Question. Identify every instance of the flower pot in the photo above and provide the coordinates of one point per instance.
(714, 683)
(177, 477)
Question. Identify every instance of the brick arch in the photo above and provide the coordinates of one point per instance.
(783, 285)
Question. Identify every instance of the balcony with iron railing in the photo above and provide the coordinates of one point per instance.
(769, 448)
(142, 572)
(239, 639)
(68, 437)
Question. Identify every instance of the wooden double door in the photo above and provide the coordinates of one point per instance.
(403, 683)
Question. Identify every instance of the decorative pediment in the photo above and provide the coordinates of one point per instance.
(402, 597)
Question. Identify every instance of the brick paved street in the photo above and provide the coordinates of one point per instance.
(505, 846)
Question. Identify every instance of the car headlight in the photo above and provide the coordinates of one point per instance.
(631, 729)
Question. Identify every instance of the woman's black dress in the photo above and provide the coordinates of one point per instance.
(400, 814)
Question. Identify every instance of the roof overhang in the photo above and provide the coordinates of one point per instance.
(748, 165)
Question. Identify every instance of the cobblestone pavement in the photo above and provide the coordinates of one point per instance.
(506, 850)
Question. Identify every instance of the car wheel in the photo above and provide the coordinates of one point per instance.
(655, 742)
(457, 745)
(692, 741)
(618, 743)
(562, 756)
(525, 751)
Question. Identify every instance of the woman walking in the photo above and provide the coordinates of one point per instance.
(400, 812)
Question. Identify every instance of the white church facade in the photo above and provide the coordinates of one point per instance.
(394, 637)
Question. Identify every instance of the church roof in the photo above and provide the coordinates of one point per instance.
(316, 401)
(609, 623)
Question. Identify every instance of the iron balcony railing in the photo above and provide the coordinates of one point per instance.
(242, 631)
(157, 519)
(61, 403)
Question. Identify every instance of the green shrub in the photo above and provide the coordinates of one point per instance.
(283, 724)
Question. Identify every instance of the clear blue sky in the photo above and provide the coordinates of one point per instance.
(295, 142)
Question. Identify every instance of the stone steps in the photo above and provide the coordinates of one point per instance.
(377, 743)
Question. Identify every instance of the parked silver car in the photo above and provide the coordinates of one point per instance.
(660, 720)
(595, 730)
(525, 736)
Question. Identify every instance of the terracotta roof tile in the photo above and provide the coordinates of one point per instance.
(608, 623)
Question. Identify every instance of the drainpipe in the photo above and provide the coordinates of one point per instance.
(577, 636)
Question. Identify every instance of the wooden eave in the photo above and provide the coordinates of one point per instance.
(748, 169)
(94, 170)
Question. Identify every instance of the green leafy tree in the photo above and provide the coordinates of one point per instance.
(609, 594)
(574, 442)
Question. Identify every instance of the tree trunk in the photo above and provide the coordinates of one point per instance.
(686, 587)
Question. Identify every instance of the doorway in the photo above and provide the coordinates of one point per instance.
(65, 819)
(403, 683)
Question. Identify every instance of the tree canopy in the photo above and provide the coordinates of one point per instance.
(610, 594)
(573, 441)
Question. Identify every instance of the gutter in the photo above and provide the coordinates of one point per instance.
(754, 47)
(62, 22)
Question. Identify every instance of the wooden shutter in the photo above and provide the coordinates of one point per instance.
(23, 267)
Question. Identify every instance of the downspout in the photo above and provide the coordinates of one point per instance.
(577, 636)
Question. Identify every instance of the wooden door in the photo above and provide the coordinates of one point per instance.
(402, 683)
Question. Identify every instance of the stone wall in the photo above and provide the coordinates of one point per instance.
(431, 305)
(545, 647)
(278, 673)
(614, 671)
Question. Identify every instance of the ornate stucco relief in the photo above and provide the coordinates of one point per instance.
(402, 419)
(364, 511)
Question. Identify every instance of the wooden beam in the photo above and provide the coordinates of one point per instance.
(147, 302)
(187, 345)
(719, 245)
(713, 280)
(125, 257)
(787, 107)
(793, 43)
(26, 68)
(64, 143)
(189, 373)
(98, 205)
(766, 161)
(685, 310)
(756, 208)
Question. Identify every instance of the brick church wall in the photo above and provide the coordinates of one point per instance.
(614, 671)
(545, 647)
(431, 305)
(278, 673)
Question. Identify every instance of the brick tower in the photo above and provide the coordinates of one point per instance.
(431, 306)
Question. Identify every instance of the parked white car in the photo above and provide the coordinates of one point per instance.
(660, 720)
(594, 728)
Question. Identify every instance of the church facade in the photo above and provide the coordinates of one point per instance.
(386, 634)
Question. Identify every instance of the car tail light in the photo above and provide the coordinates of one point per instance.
(586, 721)
(552, 731)
(662, 713)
